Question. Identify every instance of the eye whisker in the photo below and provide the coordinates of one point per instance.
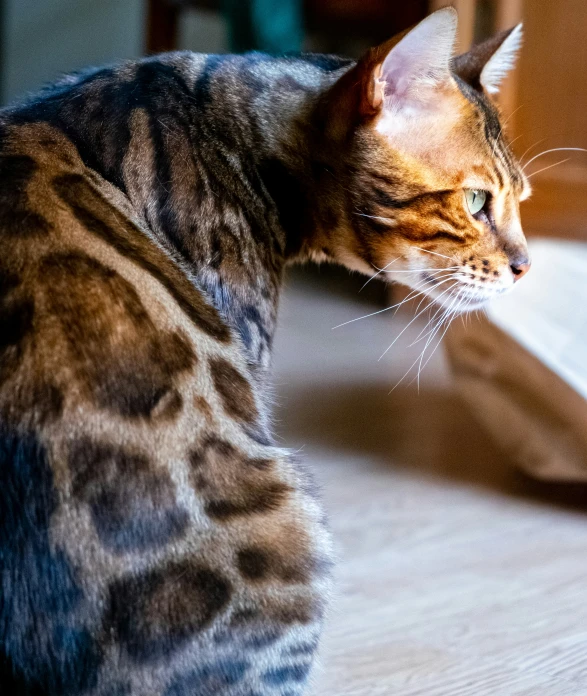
(503, 125)
(550, 166)
(538, 142)
(511, 142)
(554, 149)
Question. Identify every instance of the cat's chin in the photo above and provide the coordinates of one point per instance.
(462, 298)
(463, 306)
(472, 307)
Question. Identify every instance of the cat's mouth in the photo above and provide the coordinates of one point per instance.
(463, 297)
(460, 293)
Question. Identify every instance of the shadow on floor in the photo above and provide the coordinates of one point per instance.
(432, 433)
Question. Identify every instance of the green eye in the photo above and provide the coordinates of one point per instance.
(475, 200)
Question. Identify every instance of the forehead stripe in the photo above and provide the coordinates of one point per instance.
(493, 130)
(498, 175)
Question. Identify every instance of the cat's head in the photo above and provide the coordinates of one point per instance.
(432, 190)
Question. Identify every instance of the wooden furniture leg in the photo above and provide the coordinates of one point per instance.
(162, 26)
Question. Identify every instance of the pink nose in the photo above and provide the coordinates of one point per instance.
(520, 270)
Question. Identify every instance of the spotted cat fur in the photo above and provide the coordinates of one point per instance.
(154, 540)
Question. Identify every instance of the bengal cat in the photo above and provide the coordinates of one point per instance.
(154, 540)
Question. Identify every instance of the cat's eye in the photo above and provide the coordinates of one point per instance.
(476, 199)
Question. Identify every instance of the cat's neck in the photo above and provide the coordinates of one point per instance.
(241, 187)
(221, 156)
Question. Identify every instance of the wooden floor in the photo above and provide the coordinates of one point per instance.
(456, 576)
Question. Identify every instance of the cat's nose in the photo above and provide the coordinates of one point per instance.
(520, 269)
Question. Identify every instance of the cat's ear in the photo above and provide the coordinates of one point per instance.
(418, 62)
(485, 65)
(402, 73)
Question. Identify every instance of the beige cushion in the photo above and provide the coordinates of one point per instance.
(523, 366)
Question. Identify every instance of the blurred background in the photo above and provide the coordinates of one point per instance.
(43, 38)
(458, 495)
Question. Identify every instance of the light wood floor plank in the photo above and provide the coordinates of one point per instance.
(457, 576)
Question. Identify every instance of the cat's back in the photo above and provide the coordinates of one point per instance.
(152, 540)
(85, 285)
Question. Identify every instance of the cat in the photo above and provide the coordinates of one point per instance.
(154, 540)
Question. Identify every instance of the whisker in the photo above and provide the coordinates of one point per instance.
(427, 251)
(434, 283)
(503, 125)
(396, 385)
(411, 322)
(444, 314)
(496, 141)
(365, 316)
(554, 149)
(424, 270)
(515, 111)
(451, 276)
(448, 317)
(419, 358)
(379, 270)
(375, 217)
(550, 166)
(511, 142)
(441, 310)
(531, 148)
(449, 322)
(425, 297)
(385, 309)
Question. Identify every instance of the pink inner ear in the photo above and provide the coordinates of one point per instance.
(422, 56)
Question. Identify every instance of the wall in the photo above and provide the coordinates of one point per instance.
(43, 38)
